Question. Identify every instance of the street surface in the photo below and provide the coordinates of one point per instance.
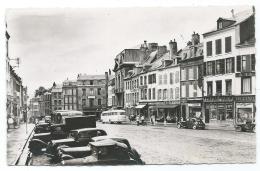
(169, 145)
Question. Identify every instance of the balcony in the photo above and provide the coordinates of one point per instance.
(118, 90)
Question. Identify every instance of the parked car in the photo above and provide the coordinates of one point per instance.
(247, 126)
(42, 127)
(60, 127)
(79, 152)
(106, 152)
(77, 138)
(193, 123)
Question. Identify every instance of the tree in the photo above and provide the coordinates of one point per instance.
(40, 91)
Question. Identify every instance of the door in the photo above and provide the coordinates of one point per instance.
(206, 115)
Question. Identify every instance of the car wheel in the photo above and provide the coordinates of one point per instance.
(194, 127)
(178, 126)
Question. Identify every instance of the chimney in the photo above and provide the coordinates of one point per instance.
(152, 46)
(145, 44)
(195, 38)
(232, 12)
(253, 9)
(173, 48)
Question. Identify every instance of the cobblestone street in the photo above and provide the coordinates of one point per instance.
(169, 145)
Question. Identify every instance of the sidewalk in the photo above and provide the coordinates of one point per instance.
(16, 139)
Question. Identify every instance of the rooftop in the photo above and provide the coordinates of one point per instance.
(91, 77)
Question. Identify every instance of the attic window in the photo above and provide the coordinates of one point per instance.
(220, 25)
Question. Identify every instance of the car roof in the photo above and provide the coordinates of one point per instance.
(86, 129)
(107, 142)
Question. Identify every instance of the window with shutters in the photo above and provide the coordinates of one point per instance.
(160, 79)
(230, 65)
(209, 48)
(177, 93)
(149, 94)
(245, 62)
(238, 63)
(171, 78)
(253, 62)
(165, 78)
(218, 46)
(195, 86)
(209, 88)
(190, 90)
(183, 74)
(177, 77)
(153, 93)
(183, 91)
(229, 87)
(141, 80)
(191, 74)
(209, 68)
(228, 44)
(246, 85)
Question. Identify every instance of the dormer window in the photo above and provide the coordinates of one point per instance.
(220, 25)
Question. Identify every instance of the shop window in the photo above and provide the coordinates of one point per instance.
(229, 115)
(228, 87)
(218, 88)
(228, 44)
(246, 85)
(209, 88)
(209, 48)
(218, 46)
(244, 114)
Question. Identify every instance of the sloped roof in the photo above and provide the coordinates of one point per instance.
(238, 18)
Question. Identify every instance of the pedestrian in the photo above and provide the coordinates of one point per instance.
(142, 119)
(137, 120)
(10, 122)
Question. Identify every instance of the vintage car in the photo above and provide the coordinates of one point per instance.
(60, 127)
(193, 123)
(42, 127)
(248, 126)
(77, 138)
(106, 152)
(79, 152)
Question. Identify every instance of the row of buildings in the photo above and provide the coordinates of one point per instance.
(16, 92)
(213, 79)
(88, 93)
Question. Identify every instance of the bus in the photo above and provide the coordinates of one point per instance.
(114, 116)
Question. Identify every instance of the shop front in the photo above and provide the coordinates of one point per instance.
(245, 109)
(191, 108)
(219, 111)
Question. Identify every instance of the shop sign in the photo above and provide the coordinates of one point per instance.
(245, 98)
(194, 104)
(244, 105)
(218, 99)
(91, 97)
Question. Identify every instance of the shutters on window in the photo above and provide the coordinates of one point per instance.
(238, 63)
(253, 62)
(213, 67)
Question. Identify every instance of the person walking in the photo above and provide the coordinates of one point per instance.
(142, 119)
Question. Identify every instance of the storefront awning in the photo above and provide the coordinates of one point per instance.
(140, 106)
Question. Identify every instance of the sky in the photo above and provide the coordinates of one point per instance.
(59, 43)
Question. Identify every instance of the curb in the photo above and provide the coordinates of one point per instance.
(21, 150)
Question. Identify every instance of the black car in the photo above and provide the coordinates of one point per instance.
(248, 126)
(42, 127)
(79, 152)
(77, 138)
(192, 123)
(106, 152)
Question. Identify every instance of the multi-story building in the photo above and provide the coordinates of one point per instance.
(92, 93)
(229, 61)
(125, 61)
(191, 67)
(70, 95)
(159, 84)
(57, 97)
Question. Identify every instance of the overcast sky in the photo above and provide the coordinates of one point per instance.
(56, 44)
